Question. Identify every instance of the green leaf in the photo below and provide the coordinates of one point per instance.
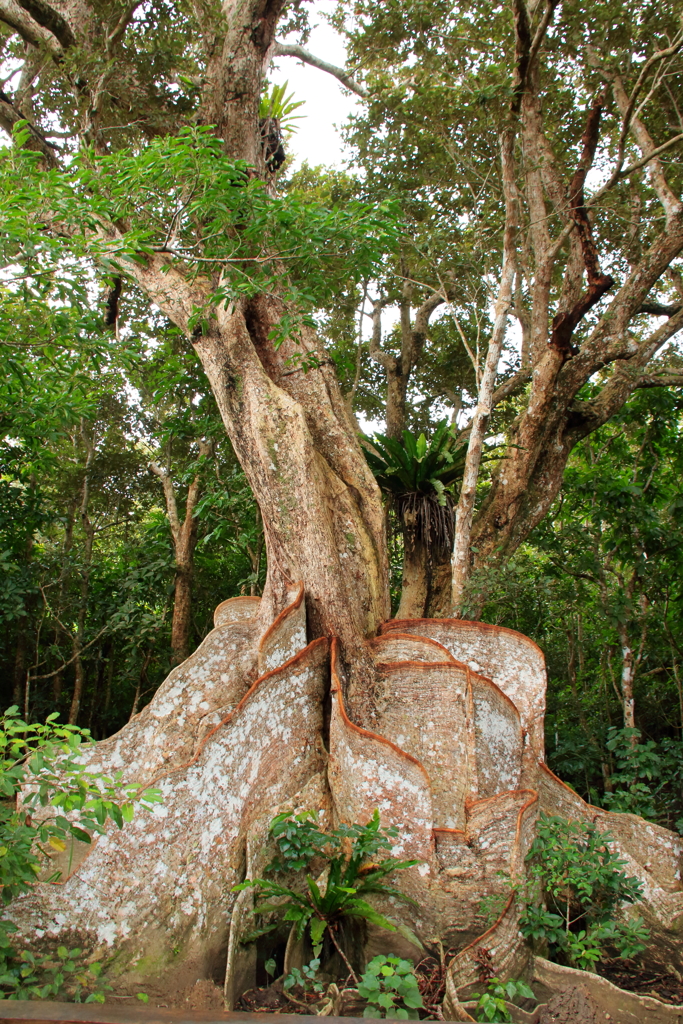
(317, 930)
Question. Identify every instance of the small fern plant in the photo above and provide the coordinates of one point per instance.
(277, 106)
(416, 465)
(355, 866)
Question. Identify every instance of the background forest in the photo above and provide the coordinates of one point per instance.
(125, 517)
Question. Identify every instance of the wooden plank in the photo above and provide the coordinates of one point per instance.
(44, 1012)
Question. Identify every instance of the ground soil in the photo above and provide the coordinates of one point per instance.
(273, 1000)
(645, 983)
(430, 973)
(270, 1000)
(575, 1006)
(202, 995)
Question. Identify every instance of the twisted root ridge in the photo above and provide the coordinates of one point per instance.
(255, 722)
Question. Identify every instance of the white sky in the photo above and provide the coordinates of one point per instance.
(326, 103)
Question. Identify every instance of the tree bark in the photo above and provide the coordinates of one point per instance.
(89, 537)
(554, 421)
(184, 536)
(426, 580)
(465, 509)
(627, 674)
(258, 721)
(321, 508)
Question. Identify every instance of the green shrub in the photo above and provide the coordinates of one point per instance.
(42, 781)
(492, 1003)
(305, 978)
(390, 987)
(354, 868)
(575, 886)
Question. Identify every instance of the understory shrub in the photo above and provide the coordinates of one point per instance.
(492, 1004)
(350, 865)
(575, 887)
(390, 986)
(648, 779)
(48, 798)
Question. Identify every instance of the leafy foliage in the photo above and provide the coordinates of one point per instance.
(600, 574)
(42, 780)
(576, 887)
(354, 869)
(492, 1003)
(277, 105)
(306, 978)
(187, 180)
(642, 770)
(417, 466)
(390, 987)
(64, 976)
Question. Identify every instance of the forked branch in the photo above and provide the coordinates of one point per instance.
(565, 323)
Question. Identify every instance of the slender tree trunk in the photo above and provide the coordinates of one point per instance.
(627, 674)
(255, 556)
(19, 674)
(64, 575)
(426, 582)
(184, 536)
(415, 580)
(142, 678)
(465, 509)
(89, 533)
(110, 677)
(77, 642)
(181, 625)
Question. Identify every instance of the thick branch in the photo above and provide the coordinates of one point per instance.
(668, 199)
(626, 377)
(117, 33)
(669, 378)
(541, 30)
(594, 199)
(522, 53)
(9, 116)
(385, 359)
(417, 334)
(512, 386)
(659, 309)
(293, 50)
(425, 311)
(17, 18)
(50, 19)
(565, 323)
(628, 112)
(169, 494)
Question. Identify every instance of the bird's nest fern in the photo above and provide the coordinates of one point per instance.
(422, 479)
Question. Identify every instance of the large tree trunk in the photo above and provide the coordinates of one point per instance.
(321, 507)
(293, 702)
